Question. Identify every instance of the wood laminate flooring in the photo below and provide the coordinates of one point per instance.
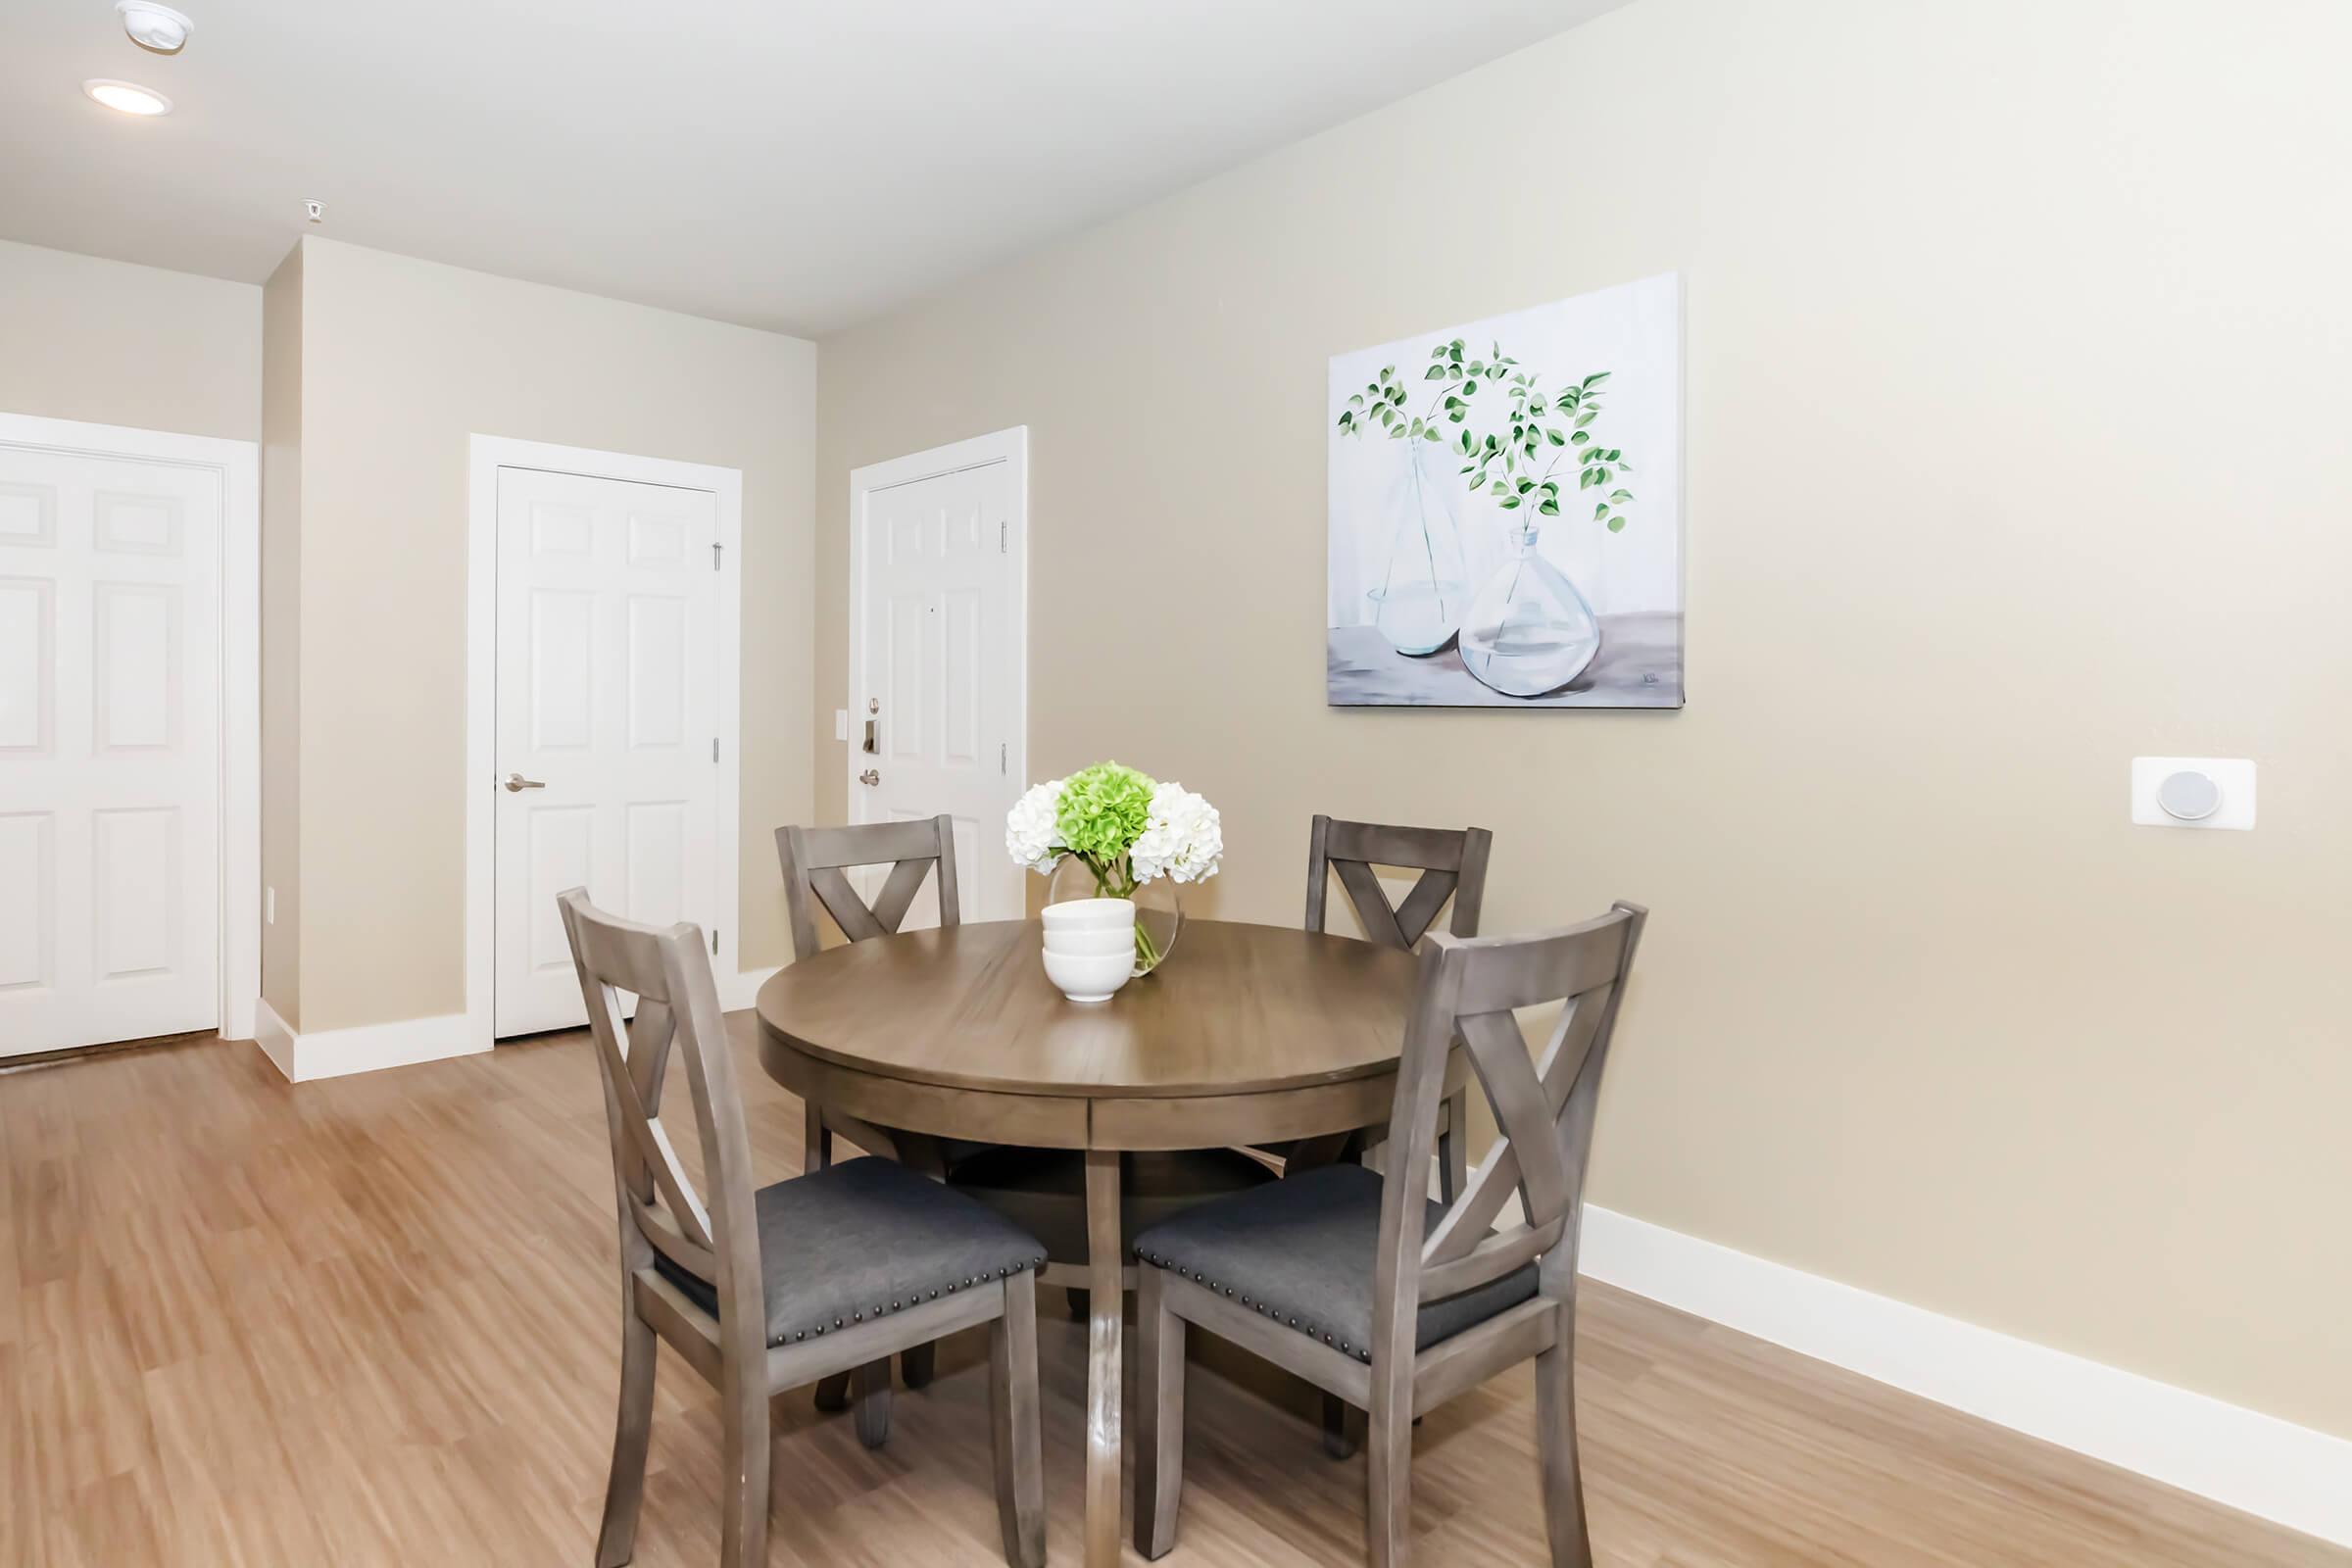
(374, 1320)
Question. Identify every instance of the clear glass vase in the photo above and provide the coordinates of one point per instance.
(1529, 631)
(1425, 586)
(1159, 912)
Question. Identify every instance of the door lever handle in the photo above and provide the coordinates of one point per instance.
(870, 778)
(515, 782)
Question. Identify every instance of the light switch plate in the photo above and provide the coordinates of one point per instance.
(2233, 776)
(841, 723)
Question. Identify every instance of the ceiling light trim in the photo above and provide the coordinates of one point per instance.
(126, 97)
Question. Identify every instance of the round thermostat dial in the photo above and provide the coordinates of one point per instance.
(2190, 797)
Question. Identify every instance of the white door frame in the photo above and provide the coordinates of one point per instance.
(488, 455)
(237, 467)
(1011, 447)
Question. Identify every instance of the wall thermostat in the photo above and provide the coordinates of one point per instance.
(2192, 792)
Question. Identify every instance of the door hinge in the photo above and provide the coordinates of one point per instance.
(715, 549)
(1002, 529)
(714, 942)
(714, 748)
(1001, 748)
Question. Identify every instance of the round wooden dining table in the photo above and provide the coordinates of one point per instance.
(1249, 1033)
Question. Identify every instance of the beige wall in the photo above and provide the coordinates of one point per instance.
(282, 636)
(403, 361)
(115, 344)
(2018, 341)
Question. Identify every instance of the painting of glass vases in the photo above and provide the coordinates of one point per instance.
(1505, 510)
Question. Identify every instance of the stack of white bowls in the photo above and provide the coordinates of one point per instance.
(1090, 947)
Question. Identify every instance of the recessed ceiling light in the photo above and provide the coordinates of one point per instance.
(127, 96)
(157, 28)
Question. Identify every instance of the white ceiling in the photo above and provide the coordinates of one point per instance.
(791, 163)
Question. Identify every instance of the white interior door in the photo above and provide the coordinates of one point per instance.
(110, 749)
(937, 666)
(606, 720)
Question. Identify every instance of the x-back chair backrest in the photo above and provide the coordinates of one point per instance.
(1453, 863)
(677, 1015)
(815, 858)
(1544, 1108)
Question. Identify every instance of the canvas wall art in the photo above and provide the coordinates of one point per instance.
(1507, 510)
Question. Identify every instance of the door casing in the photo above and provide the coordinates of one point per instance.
(487, 455)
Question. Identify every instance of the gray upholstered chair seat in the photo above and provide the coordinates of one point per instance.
(1301, 1250)
(864, 1239)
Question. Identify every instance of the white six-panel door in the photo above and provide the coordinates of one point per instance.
(606, 607)
(110, 749)
(938, 664)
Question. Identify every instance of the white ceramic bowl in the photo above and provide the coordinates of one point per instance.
(1084, 943)
(1090, 977)
(1090, 914)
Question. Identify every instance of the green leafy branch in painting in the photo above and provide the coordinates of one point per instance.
(1384, 402)
(1548, 431)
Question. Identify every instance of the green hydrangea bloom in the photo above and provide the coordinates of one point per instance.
(1102, 810)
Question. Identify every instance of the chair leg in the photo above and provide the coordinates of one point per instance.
(1013, 1397)
(816, 1138)
(916, 1365)
(624, 1491)
(1389, 1471)
(873, 1402)
(1555, 1450)
(1342, 1428)
(1453, 1148)
(1159, 1416)
(816, 1151)
(744, 1450)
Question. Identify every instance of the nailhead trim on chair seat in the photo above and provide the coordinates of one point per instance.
(880, 1310)
(1258, 1307)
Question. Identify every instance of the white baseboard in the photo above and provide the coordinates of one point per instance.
(741, 992)
(276, 1040)
(334, 1052)
(2257, 1463)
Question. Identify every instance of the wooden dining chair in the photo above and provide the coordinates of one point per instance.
(760, 1291)
(1453, 863)
(1362, 1285)
(816, 863)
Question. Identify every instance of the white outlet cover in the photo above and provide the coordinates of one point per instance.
(2233, 776)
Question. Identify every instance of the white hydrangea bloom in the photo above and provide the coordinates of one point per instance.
(1183, 838)
(1030, 836)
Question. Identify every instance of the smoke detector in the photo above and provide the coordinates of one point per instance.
(156, 28)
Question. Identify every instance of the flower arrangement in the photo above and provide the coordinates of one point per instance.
(1125, 827)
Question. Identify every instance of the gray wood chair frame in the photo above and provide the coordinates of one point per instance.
(717, 1240)
(1453, 863)
(1543, 1104)
(815, 860)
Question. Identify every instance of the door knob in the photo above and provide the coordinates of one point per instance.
(515, 781)
(870, 778)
